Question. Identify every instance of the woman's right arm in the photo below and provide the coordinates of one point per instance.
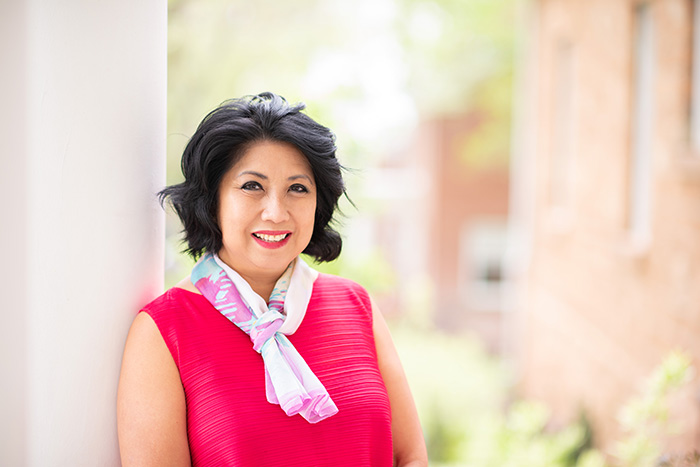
(151, 414)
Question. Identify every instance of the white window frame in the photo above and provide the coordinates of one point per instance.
(482, 244)
(563, 116)
(640, 167)
(695, 80)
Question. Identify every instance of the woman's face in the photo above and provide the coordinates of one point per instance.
(267, 204)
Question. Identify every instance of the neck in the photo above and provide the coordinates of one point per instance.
(261, 281)
(261, 287)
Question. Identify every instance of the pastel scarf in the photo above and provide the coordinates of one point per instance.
(289, 381)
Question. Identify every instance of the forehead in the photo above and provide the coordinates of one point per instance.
(273, 156)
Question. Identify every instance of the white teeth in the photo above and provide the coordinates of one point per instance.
(271, 238)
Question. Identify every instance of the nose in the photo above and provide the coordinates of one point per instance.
(275, 209)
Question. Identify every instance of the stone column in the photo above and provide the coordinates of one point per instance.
(82, 141)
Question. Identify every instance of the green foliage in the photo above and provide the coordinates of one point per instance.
(521, 438)
(472, 40)
(349, 61)
(462, 397)
(487, 144)
(591, 458)
(689, 460)
(645, 418)
(475, 41)
(461, 393)
(219, 49)
(456, 386)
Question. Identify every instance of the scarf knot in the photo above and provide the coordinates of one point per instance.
(289, 381)
(264, 328)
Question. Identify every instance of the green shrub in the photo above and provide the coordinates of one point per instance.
(462, 395)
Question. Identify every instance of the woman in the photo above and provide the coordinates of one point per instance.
(320, 384)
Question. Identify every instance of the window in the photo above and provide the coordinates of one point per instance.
(482, 246)
(640, 167)
(695, 83)
(562, 160)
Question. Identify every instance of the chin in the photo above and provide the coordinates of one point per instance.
(275, 263)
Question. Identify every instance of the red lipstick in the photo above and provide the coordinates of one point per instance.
(272, 239)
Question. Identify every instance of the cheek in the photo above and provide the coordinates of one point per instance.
(311, 215)
(232, 215)
(306, 218)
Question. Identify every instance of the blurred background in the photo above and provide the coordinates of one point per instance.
(526, 185)
(526, 178)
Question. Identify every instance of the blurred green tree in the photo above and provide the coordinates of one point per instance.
(438, 56)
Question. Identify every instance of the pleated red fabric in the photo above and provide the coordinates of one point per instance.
(229, 421)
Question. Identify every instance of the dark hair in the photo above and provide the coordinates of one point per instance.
(223, 137)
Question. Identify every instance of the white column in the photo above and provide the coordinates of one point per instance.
(13, 219)
(82, 138)
(522, 199)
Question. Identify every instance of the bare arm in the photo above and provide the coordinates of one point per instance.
(409, 446)
(151, 414)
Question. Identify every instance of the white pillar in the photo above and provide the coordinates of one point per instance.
(522, 199)
(82, 141)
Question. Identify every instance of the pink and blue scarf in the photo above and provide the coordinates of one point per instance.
(289, 381)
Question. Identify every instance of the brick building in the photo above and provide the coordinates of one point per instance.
(450, 205)
(606, 181)
(467, 223)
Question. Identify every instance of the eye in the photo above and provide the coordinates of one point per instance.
(251, 186)
(298, 188)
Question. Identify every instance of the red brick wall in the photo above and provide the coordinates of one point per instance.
(602, 312)
(463, 193)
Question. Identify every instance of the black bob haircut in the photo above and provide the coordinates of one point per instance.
(223, 137)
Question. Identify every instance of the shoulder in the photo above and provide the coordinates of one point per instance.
(175, 297)
(175, 310)
(341, 295)
(332, 281)
(152, 321)
(150, 401)
(329, 283)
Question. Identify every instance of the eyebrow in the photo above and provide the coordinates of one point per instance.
(265, 177)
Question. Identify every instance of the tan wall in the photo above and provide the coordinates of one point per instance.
(602, 311)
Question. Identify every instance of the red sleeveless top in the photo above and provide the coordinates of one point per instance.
(230, 422)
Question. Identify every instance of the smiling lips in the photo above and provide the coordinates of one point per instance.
(272, 239)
